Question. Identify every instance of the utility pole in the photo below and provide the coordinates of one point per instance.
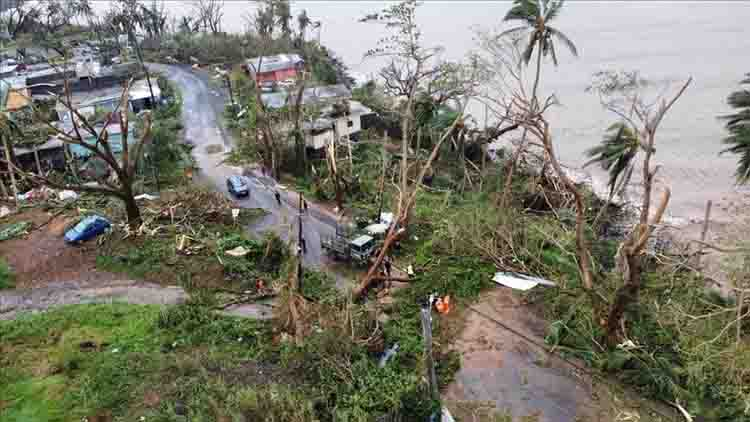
(426, 317)
(300, 248)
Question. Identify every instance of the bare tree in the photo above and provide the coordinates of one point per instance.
(18, 16)
(154, 18)
(119, 171)
(622, 94)
(210, 13)
(55, 14)
(410, 68)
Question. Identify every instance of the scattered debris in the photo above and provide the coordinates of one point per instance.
(443, 304)
(386, 218)
(410, 270)
(41, 193)
(519, 281)
(146, 197)
(627, 345)
(5, 211)
(64, 195)
(387, 355)
(239, 251)
(688, 417)
(445, 415)
(214, 149)
(15, 230)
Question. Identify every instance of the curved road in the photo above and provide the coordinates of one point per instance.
(202, 108)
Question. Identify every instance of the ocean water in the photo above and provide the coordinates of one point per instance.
(664, 41)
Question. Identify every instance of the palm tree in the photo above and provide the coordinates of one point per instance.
(283, 17)
(303, 21)
(738, 125)
(536, 15)
(615, 154)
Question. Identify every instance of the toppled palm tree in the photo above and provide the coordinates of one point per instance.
(536, 16)
(738, 125)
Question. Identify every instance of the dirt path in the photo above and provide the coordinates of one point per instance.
(14, 302)
(507, 372)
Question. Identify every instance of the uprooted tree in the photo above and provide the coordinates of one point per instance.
(113, 174)
(634, 135)
(412, 66)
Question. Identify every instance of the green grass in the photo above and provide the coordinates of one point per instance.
(6, 275)
(47, 375)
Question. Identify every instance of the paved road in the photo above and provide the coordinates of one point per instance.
(203, 105)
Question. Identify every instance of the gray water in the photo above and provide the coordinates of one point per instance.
(665, 41)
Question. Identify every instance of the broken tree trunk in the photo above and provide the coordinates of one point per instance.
(36, 159)
(11, 172)
(629, 258)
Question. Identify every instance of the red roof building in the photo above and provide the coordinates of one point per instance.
(275, 68)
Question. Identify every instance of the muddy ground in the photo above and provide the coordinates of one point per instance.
(42, 257)
(514, 372)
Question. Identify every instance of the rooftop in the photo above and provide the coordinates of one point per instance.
(319, 94)
(52, 143)
(362, 240)
(139, 90)
(355, 107)
(274, 63)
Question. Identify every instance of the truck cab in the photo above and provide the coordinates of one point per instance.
(362, 248)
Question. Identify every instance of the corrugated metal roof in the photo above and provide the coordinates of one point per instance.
(309, 96)
(52, 143)
(274, 63)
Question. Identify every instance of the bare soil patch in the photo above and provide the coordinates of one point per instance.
(43, 257)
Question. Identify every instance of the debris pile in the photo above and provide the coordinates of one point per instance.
(14, 230)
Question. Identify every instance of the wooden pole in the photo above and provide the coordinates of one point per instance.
(704, 232)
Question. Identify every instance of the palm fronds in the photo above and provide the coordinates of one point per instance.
(536, 15)
(524, 10)
(738, 125)
(739, 144)
(564, 39)
(615, 153)
(552, 9)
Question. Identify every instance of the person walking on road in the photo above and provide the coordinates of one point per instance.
(278, 196)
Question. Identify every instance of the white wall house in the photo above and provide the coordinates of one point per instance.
(320, 133)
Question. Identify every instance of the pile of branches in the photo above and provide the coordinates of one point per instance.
(193, 207)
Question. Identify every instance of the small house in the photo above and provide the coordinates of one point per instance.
(275, 68)
(88, 103)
